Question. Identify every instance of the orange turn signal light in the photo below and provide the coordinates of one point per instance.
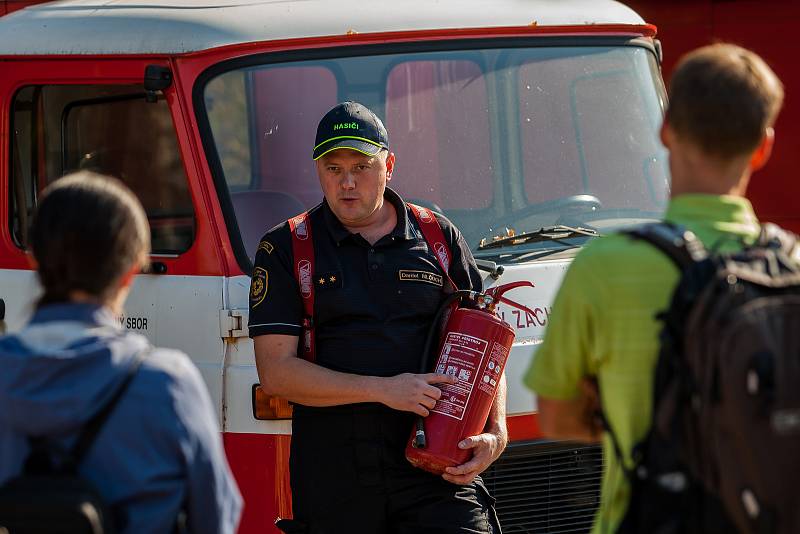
(268, 407)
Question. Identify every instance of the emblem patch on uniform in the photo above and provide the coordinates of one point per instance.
(425, 215)
(300, 229)
(258, 286)
(420, 276)
(266, 246)
(304, 270)
(441, 251)
(331, 280)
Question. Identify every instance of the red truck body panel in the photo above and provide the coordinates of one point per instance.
(766, 27)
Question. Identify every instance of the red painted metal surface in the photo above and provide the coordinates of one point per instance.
(523, 427)
(632, 30)
(260, 463)
(203, 258)
(766, 27)
(12, 5)
(476, 345)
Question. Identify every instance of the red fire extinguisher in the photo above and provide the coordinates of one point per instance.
(473, 348)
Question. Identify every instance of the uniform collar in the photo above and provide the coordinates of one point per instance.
(403, 230)
(92, 314)
(725, 213)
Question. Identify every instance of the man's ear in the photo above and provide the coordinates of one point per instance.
(32, 261)
(763, 151)
(389, 166)
(666, 134)
(127, 278)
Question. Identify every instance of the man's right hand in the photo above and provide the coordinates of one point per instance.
(410, 392)
(283, 374)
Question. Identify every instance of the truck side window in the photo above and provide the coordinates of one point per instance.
(106, 129)
(263, 121)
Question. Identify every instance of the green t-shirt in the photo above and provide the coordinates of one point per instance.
(603, 324)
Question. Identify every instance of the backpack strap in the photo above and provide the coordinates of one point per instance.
(303, 252)
(92, 428)
(684, 249)
(679, 244)
(432, 232)
(630, 473)
(39, 460)
(773, 235)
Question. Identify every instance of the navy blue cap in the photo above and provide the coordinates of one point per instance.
(350, 125)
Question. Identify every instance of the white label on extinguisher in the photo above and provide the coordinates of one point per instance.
(461, 357)
(494, 368)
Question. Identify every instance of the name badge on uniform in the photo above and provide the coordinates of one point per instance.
(420, 276)
(330, 280)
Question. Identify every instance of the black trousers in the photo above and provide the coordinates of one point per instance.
(349, 475)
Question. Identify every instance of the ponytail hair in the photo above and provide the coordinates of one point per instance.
(88, 231)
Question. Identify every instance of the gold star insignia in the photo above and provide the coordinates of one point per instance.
(321, 281)
(332, 279)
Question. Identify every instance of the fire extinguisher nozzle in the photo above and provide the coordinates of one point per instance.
(419, 440)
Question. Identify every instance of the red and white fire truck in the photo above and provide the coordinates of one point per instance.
(512, 118)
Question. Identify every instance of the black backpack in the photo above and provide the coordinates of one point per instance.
(723, 451)
(50, 497)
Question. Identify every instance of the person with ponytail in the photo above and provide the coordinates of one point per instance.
(158, 456)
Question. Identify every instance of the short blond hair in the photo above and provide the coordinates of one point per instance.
(723, 98)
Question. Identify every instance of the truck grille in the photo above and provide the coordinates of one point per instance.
(546, 488)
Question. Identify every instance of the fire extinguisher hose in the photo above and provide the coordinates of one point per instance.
(425, 361)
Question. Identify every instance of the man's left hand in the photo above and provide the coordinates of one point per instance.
(486, 448)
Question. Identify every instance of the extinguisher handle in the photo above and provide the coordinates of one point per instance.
(516, 305)
(497, 293)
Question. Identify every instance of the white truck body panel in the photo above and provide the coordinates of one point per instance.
(77, 27)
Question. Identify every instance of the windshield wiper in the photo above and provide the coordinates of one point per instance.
(548, 233)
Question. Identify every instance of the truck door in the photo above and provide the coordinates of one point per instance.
(69, 115)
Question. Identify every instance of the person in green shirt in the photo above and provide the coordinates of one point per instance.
(601, 344)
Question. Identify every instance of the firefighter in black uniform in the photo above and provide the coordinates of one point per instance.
(354, 406)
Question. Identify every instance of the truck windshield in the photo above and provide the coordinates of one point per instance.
(500, 140)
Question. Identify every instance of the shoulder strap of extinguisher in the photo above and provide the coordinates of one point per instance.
(432, 232)
(303, 252)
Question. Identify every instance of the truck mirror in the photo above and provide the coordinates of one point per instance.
(156, 78)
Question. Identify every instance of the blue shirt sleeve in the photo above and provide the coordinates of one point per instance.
(213, 502)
